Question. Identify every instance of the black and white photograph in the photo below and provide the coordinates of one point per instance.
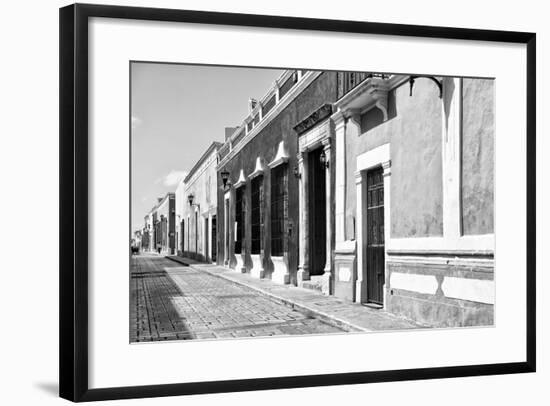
(275, 203)
(294, 201)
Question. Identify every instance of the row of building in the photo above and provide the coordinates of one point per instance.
(374, 188)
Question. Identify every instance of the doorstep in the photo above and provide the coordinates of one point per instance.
(332, 310)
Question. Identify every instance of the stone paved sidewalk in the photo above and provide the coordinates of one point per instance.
(169, 301)
(337, 312)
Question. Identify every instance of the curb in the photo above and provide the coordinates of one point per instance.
(178, 260)
(325, 317)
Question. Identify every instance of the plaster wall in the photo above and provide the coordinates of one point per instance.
(264, 145)
(202, 184)
(179, 205)
(478, 156)
(414, 130)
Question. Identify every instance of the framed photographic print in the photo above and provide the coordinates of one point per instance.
(297, 202)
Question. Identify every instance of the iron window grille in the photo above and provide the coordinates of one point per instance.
(256, 214)
(279, 209)
(239, 219)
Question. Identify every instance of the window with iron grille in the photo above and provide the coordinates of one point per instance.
(256, 214)
(239, 219)
(279, 209)
(196, 232)
(163, 231)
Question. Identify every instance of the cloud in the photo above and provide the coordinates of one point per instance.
(172, 178)
(136, 122)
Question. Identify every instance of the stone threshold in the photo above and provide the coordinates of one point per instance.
(348, 316)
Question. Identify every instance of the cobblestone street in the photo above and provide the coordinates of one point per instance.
(174, 302)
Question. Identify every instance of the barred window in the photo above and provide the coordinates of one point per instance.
(256, 203)
(196, 232)
(164, 231)
(279, 209)
(239, 219)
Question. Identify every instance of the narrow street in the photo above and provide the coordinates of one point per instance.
(173, 302)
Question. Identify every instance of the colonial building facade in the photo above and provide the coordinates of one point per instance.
(148, 238)
(414, 197)
(160, 226)
(374, 188)
(259, 175)
(197, 203)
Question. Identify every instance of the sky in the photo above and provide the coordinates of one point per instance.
(177, 112)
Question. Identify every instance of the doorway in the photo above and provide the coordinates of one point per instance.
(226, 231)
(182, 236)
(206, 240)
(375, 250)
(213, 235)
(317, 212)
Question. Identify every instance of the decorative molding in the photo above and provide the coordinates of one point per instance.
(241, 181)
(281, 157)
(258, 170)
(315, 136)
(313, 119)
(457, 259)
(345, 247)
(283, 102)
(354, 115)
(372, 92)
(375, 157)
(206, 159)
(474, 244)
(358, 177)
(339, 120)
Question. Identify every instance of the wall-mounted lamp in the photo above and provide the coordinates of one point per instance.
(297, 173)
(324, 160)
(190, 198)
(433, 79)
(225, 178)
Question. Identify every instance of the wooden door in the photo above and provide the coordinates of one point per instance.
(317, 213)
(375, 251)
(206, 240)
(182, 233)
(214, 240)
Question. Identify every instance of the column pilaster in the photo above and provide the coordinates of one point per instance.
(451, 162)
(329, 286)
(340, 176)
(303, 198)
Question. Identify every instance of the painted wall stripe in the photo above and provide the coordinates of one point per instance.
(413, 282)
(475, 290)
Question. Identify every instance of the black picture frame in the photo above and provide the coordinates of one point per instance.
(73, 277)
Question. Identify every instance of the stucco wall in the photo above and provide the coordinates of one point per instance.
(179, 204)
(264, 145)
(414, 130)
(167, 209)
(202, 185)
(478, 156)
